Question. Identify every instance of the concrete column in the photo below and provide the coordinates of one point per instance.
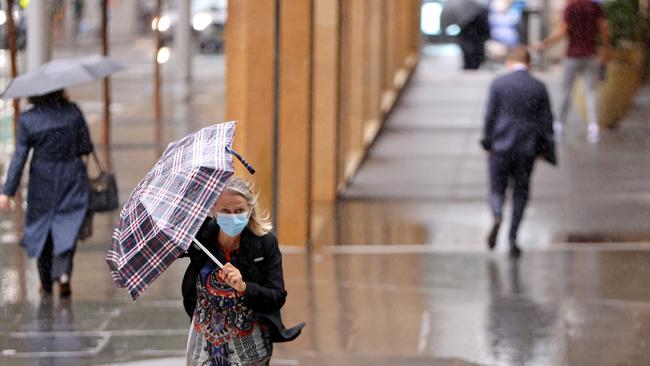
(69, 21)
(535, 21)
(183, 48)
(123, 18)
(92, 18)
(38, 33)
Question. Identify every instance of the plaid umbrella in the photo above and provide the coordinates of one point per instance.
(166, 209)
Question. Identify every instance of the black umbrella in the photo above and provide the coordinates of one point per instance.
(460, 12)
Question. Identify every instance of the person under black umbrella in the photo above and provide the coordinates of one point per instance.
(57, 193)
(472, 19)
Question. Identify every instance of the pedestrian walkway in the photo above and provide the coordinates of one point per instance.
(427, 174)
(433, 297)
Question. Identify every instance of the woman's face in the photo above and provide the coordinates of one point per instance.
(230, 203)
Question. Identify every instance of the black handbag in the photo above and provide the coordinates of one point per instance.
(86, 228)
(103, 190)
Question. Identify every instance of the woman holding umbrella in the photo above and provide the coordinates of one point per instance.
(56, 131)
(235, 311)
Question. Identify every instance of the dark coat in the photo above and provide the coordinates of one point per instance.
(260, 263)
(518, 118)
(57, 194)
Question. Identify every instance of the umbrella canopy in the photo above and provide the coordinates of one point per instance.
(460, 12)
(166, 209)
(59, 74)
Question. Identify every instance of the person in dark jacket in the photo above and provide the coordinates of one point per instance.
(472, 38)
(235, 311)
(57, 193)
(518, 128)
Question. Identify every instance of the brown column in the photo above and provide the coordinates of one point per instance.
(250, 86)
(325, 105)
(310, 82)
(354, 82)
(295, 111)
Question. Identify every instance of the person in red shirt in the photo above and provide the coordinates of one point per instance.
(585, 25)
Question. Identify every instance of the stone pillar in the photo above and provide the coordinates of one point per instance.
(123, 18)
(183, 48)
(69, 21)
(38, 33)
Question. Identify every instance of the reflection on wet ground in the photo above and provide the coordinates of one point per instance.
(399, 276)
(549, 308)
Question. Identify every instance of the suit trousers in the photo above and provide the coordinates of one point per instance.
(504, 169)
(51, 267)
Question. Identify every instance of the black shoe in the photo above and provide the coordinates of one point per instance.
(515, 252)
(65, 291)
(494, 233)
(45, 291)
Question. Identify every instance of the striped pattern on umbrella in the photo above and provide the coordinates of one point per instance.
(166, 209)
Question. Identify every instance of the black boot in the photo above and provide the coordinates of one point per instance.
(494, 233)
(515, 251)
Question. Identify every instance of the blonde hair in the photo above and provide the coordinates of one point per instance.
(260, 220)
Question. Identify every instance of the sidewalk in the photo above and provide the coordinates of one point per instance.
(428, 169)
(435, 298)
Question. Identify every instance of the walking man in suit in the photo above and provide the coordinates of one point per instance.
(518, 127)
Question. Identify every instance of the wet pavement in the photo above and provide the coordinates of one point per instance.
(400, 276)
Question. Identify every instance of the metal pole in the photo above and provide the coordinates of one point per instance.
(107, 88)
(11, 38)
(157, 79)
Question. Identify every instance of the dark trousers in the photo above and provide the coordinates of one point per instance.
(51, 267)
(506, 168)
(473, 52)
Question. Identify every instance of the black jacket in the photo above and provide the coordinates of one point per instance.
(518, 118)
(260, 263)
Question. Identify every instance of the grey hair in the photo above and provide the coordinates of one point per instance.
(260, 220)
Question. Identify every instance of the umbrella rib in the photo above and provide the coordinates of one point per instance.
(206, 251)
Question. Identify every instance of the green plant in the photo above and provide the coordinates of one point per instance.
(626, 23)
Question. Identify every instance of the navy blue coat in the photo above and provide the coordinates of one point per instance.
(518, 118)
(57, 194)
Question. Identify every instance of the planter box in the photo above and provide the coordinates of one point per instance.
(616, 93)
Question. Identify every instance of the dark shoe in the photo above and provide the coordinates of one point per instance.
(65, 290)
(45, 292)
(494, 233)
(515, 252)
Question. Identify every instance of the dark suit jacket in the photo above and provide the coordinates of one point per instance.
(518, 119)
(260, 263)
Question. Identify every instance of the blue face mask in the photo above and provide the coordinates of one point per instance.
(232, 224)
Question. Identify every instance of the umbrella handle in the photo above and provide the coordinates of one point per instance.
(242, 160)
(207, 252)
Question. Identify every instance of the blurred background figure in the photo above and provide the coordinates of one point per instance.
(505, 20)
(57, 200)
(585, 25)
(472, 19)
(518, 120)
